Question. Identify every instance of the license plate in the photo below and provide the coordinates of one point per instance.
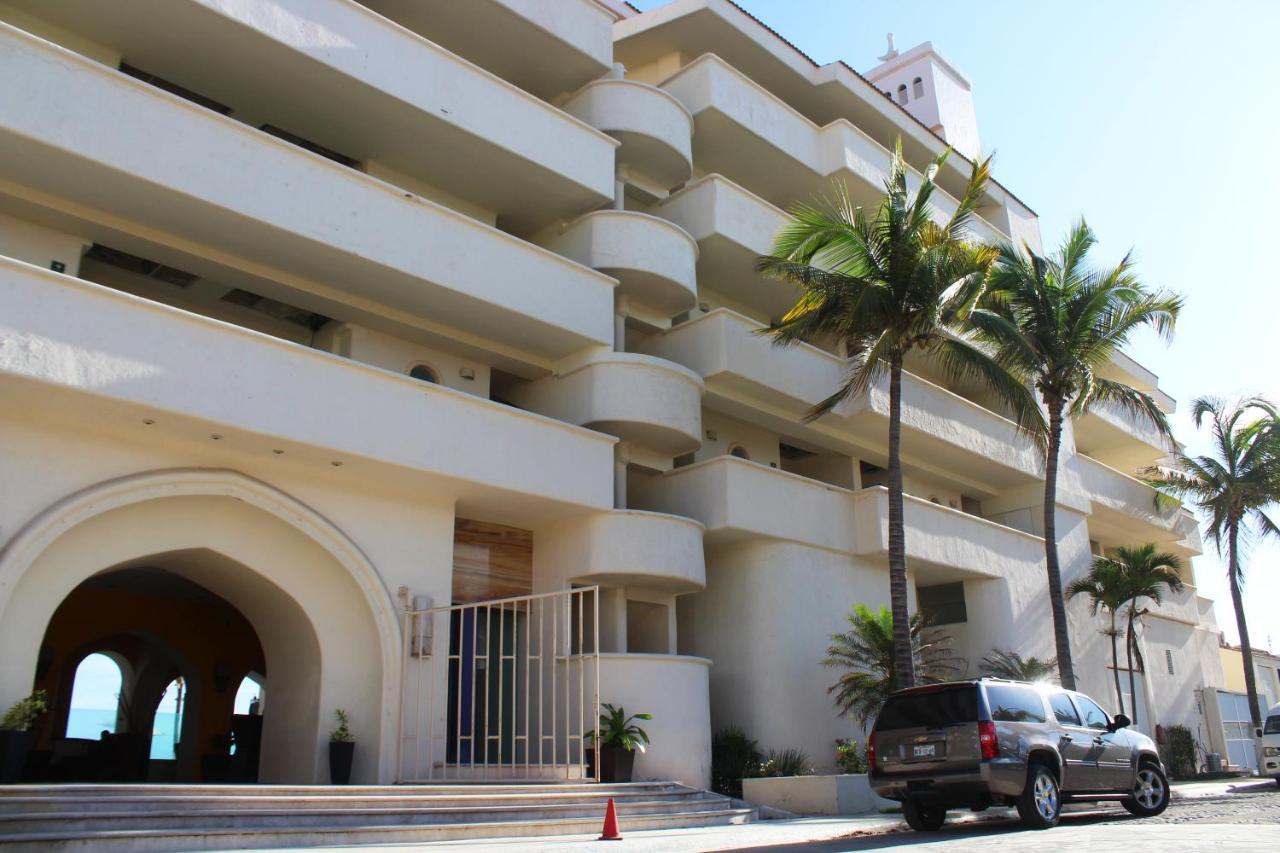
(926, 750)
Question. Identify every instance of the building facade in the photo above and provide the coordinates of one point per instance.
(320, 314)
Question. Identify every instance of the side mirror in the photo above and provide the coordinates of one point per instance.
(1120, 721)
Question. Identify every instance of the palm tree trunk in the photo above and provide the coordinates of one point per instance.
(1062, 640)
(1246, 651)
(904, 669)
(1129, 641)
(1115, 662)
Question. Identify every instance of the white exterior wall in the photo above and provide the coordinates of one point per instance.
(501, 265)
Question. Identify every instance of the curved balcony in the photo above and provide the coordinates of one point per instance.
(732, 227)
(746, 132)
(337, 77)
(681, 727)
(649, 401)
(337, 239)
(739, 500)
(655, 550)
(655, 129)
(940, 539)
(180, 376)
(1125, 509)
(655, 261)
(940, 429)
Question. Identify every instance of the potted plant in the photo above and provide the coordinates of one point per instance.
(618, 739)
(15, 734)
(342, 749)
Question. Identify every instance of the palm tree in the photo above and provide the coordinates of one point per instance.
(1146, 573)
(1106, 590)
(1232, 489)
(1013, 666)
(1056, 322)
(867, 652)
(881, 286)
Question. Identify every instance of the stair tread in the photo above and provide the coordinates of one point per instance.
(629, 807)
(498, 826)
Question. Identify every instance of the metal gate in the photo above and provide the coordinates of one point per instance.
(501, 690)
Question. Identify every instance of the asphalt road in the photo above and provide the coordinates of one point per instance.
(1244, 821)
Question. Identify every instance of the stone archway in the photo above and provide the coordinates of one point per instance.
(328, 627)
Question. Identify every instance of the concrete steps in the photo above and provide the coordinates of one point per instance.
(162, 818)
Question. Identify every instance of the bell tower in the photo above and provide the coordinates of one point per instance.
(933, 90)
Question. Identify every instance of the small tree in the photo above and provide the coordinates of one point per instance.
(1013, 666)
(1106, 588)
(866, 653)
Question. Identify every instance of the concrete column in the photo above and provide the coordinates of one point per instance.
(621, 457)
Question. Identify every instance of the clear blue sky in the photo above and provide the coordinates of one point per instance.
(1158, 121)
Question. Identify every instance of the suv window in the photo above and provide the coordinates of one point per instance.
(1273, 726)
(1010, 703)
(1063, 709)
(951, 706)
(1094, 717)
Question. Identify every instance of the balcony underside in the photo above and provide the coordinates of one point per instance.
(332, 72)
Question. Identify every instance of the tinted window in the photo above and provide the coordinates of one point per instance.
(1094, 717)
(1063, 709)
(951, 706)
(942, 604)
(1012, 704)
(1273, 726)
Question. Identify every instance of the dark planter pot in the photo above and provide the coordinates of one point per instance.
(14, 748)
(340, 756)
(615, 766)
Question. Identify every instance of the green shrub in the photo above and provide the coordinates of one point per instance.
(788, 762)
(734, 757)
(23, 713)
(1178, 752)
(341, 734)
(848, 758)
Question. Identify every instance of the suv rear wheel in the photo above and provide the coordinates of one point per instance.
(1040, 804)
(923, 818)
(1150, 792)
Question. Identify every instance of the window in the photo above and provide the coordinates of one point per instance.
(1012, 704)
(174, 88)
(1273, 726)
(1094, 717)
(943, 604)
(902, 93)
(166, 729)
(1063, 709)
(314, 147)
(1168, 660)
(423, 373)
(952, 706)
(739, 451)
(917, 88)
(95, 697)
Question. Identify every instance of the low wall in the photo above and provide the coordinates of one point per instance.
(846, 794)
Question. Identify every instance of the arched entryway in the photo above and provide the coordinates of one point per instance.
(326, 627)
(142, 667)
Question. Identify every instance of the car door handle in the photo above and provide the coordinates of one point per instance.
(1067, 738)
(1097, 740)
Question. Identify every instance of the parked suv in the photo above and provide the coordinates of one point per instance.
(973, 744)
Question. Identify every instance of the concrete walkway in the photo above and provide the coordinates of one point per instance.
(810, 835)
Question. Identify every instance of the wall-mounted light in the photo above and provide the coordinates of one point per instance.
(467, 373)
(711, 435)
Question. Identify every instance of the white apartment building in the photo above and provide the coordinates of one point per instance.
(321, 317)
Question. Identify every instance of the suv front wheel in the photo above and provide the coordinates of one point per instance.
(1040, 804)
(1150, 792)
(923, 818)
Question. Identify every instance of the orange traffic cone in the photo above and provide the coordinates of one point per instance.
(610, 831)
